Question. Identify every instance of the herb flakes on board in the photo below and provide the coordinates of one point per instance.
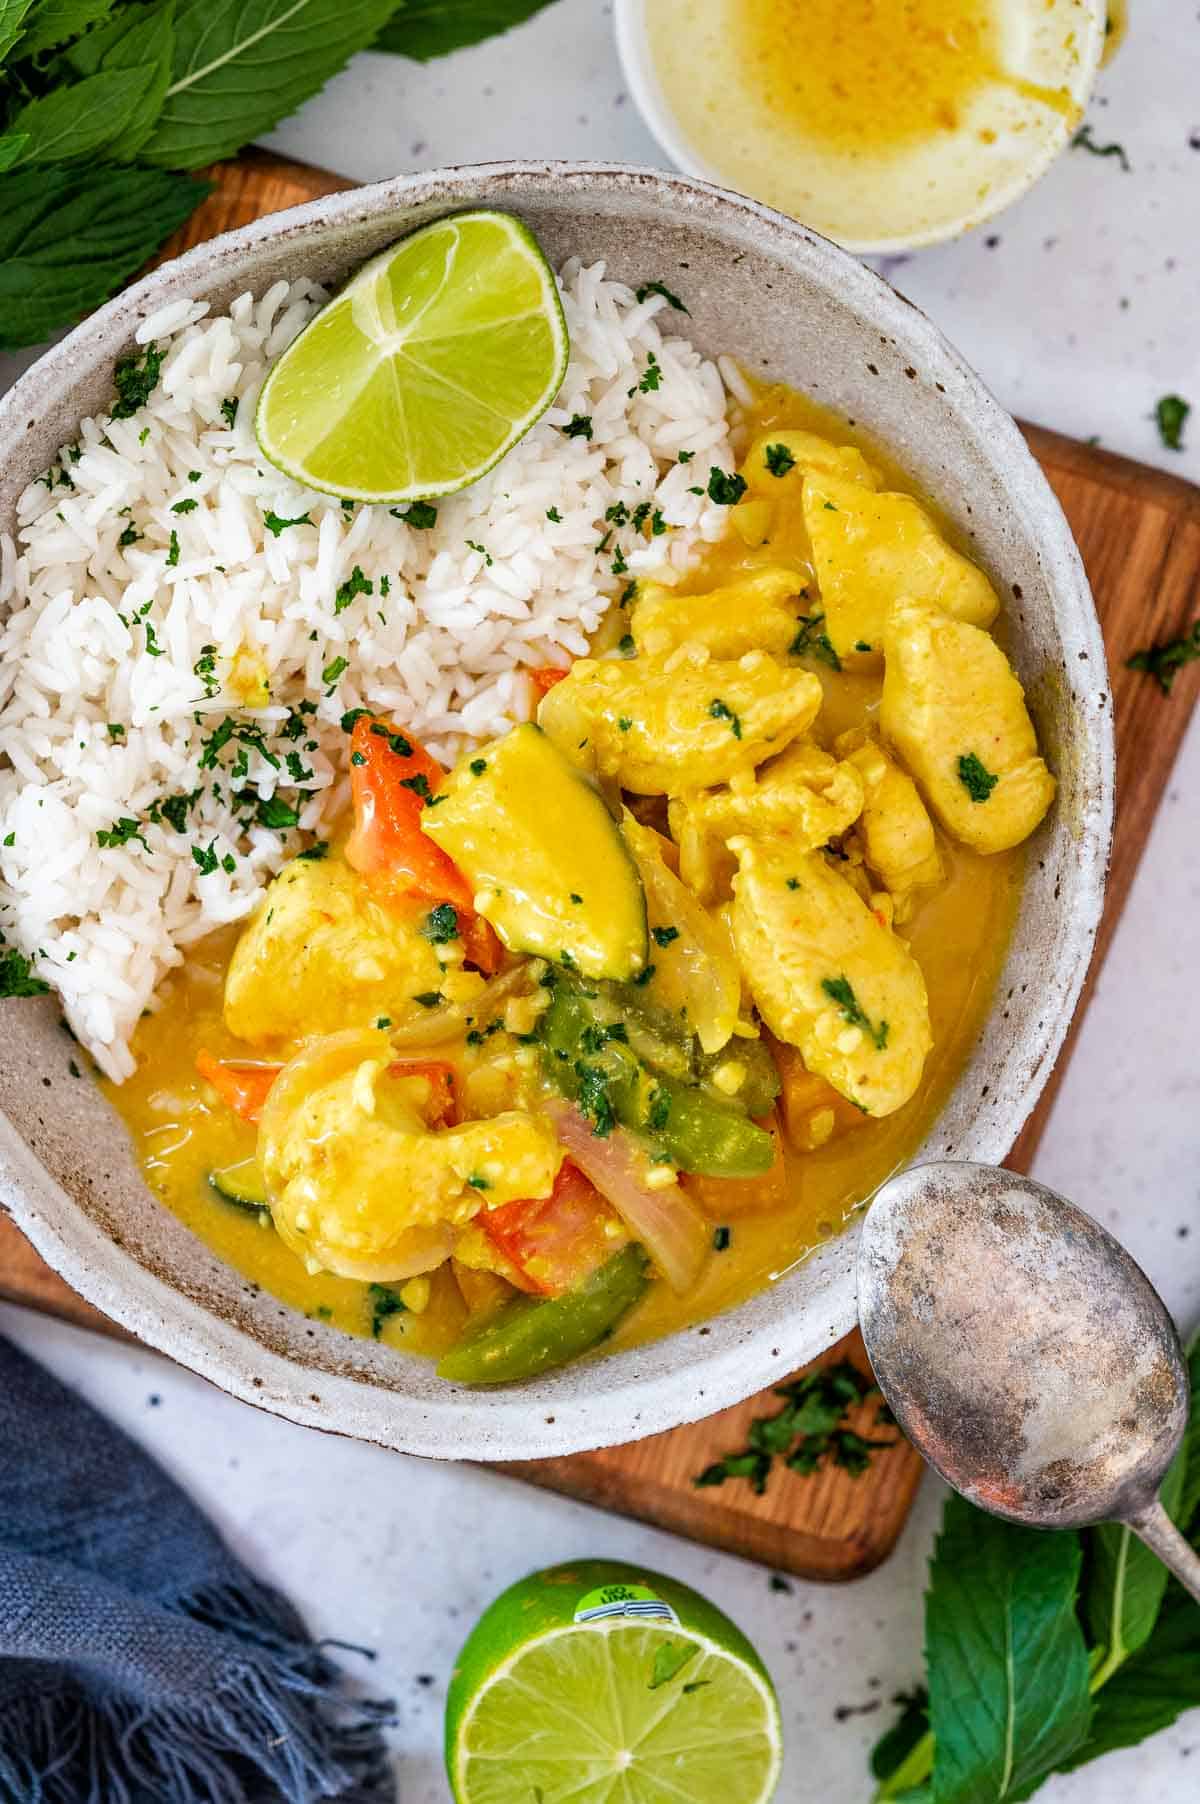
(810, 1430)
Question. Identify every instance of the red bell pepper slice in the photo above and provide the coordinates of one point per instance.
(244, 1087)
(558, 1240)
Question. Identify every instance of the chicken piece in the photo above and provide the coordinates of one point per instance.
(755, 612)
(358, 1184)
(955, 711)
(768, 472)
(321, 953)
(897, 835)
(869, 551)
(695, 974)
(665, 724)
(828, 976)
(803, 790)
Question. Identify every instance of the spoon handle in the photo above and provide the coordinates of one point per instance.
(1153, 1526)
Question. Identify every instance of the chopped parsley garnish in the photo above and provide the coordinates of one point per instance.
(619, 566)
(332, 671)
(809, 1430)
(651, 377)
(205, 668)
(429, 998)
(485, 554)
(441, 924)
(318, 850)
(358, 758)
(206, 858)
(129, 536)
(672, 300)
(383, 1302)
(623, 723)
(421, 514)
(418, 784)
(396, 741)
(554, 517)
(478, 1182)
(812, 641)
(187, 506)
(1162, 661)
(779, 460)
(724, 489)
(719, 710)
(1170, 413)
(657, 524)
(975, 777)
(274, 812)
(383, 1021)
(626, 646)
(478, 766)
(229, 411)
(10, 839)
(662, 936)
(685, 457)
(829, 507)
(721, 1239)
(351, 718)
(658, 1112)
(640, 515)
(298, 771)
(793, 883)
(1083, 140)
(355, 584)
(120, 833)
(595, 1103)
(579, 426)
(862, 645)
(628, 594)
(841, 991)
(173, 550)
(577, 899)
(174, 810)
(385, 588)
(644, 975)
(194, 475)
(275, 523)
(136, 379)
(115, 730)
(16, 975)
(617, 514)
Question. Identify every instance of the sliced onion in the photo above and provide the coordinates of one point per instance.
(665, 1221)
(438, 1025)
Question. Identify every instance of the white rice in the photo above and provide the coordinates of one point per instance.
(103, 713)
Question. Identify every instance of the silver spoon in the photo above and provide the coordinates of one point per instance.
(1024, 1353)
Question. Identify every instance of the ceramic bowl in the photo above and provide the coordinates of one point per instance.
(791, 305)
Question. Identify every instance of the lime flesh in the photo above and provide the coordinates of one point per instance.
(623, 1709)
(427, 367)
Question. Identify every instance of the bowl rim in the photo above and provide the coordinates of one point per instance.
(657, 115)
(542, 1419)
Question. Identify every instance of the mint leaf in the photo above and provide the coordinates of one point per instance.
(1189, 1493)
(1158, 1684)
(138, 38)
(1126, 1582)
(241, 65)
(69, 237)
(50, 23)
(426, 28)
(12, 23)
(897, 1743)
(1008, 1669)
(82, 118)
(12, 149)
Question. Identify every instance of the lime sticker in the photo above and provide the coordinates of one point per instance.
(622, 1600)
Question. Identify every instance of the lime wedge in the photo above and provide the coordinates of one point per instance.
(604, 1684)
(427, 367)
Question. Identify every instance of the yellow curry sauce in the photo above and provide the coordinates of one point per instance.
(958, 933)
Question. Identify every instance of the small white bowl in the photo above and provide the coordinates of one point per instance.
(869, 203)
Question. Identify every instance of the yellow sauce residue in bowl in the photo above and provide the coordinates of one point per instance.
(880, 122)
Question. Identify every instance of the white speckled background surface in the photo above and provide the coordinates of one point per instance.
(1079, 307)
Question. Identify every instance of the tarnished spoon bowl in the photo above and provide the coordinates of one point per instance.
(1023, 1352)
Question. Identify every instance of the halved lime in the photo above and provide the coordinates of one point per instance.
(604, 1684)
(427, 367)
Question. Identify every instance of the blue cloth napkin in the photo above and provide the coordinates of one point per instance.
(140, 1663)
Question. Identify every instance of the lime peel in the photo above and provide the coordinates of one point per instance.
(427, 367)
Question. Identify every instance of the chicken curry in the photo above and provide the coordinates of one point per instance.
(605, 1028)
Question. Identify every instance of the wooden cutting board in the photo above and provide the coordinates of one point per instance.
(1139, 532)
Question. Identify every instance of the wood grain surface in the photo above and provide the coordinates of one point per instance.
(1139, 532)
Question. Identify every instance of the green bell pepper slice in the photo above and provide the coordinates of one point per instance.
(526, 1337)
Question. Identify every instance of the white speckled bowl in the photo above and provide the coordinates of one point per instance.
(790, 304)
